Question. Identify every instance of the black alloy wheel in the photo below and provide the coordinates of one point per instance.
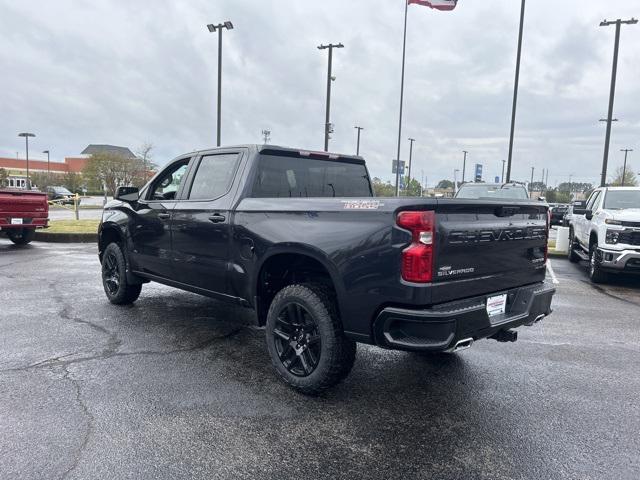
(111, 273)
(114, 277)
(297, 340)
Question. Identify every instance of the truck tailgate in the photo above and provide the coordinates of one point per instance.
(484, 247)
(24, 204)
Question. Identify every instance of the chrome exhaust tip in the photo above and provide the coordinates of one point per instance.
(461, 345)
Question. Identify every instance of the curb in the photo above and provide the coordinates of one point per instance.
(556, 253)
(66, 237)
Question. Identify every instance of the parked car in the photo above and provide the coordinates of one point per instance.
(568, 216)
(557, 214)
(21, 213)
(299, 238)
(500, 191)
(607, 232)
(61, 195)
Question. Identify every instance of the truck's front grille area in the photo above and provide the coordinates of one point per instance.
(629, 238)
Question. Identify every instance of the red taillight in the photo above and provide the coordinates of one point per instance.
(417, 258)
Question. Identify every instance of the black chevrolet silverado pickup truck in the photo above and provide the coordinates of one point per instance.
(299, 237)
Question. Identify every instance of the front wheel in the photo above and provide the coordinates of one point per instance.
(596, 274)
(573, 256)
(21, 236)
(114, 277)
(305, 339)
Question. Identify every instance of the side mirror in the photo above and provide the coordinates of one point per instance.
(588, 214)
(127, 194)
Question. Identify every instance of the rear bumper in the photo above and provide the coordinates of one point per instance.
(440, 328)
(620, 260)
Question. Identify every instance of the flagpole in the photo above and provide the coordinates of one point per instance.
(404, 49)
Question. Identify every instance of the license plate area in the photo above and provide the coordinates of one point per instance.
(16, 221)
(496, 305)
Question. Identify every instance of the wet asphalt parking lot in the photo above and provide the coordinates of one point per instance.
(180, 386)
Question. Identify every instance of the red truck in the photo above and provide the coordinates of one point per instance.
(21, 213)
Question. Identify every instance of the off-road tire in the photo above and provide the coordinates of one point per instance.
(114, 277)
(337, 353)
(596, 274)
(572, 255)
(21, 236)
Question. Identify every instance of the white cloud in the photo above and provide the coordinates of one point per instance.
(79, 72)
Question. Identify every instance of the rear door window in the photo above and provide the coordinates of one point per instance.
(214, 176)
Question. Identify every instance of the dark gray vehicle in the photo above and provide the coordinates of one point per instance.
(299, 238)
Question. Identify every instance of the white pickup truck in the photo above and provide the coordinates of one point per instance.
(607, 232)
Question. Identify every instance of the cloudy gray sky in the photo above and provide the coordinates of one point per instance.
(127, 72)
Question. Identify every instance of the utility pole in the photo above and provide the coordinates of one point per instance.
(503, 163)
(455, 181)
(531, 182)
(624, 168)
(26, 136)
(411, 140)
(614, 73)
(358, 141)
(546, 181)
(464, 164)
(48, 166)
(515, 90)
(212, 28)
(327, 123)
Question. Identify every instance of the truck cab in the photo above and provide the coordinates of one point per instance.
(607, 232)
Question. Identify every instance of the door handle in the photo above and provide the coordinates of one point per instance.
(164, 216)
(217, 218)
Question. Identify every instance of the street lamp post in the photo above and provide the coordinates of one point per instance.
(624, 168)
(48, 166)
(327, 123)
(358, 141)
(455, 181)
(531, 182)
(614, 73)
(411, 140)
(213, 28)
(464, 165)
(503, 163)
(515, 90)
(26, 136)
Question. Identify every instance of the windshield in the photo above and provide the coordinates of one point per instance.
(62, 190)
(280, 176)
(476, 191)
(621, 199)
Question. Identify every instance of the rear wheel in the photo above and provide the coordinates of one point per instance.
(596, 274)
(305, 339)
(114, 277)
(573, 256)
(21, 236)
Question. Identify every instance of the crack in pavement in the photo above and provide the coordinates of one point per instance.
(58, 362)
(90, 420)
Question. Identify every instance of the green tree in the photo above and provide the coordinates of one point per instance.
(382, 189)
(3, 177)
(630, 179)
(412, 188)
(445, 184)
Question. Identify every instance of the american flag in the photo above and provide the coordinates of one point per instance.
(437, 4)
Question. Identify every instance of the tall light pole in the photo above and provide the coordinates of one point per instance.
(411, 140)
(48, 166)
(464, 164)
(455, 180)
(26, 136)
(266, 133)
(213, 28)
(614, 73)
(327, 123)
(358, 141)
(531, 182)
(503, 163)
(515, 91)
(624, 168)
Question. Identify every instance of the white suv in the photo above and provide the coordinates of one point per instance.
(607, 232)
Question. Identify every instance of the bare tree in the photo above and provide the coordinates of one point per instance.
(630, 179)
(144, 153)
(4, 176)
(112, 170)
